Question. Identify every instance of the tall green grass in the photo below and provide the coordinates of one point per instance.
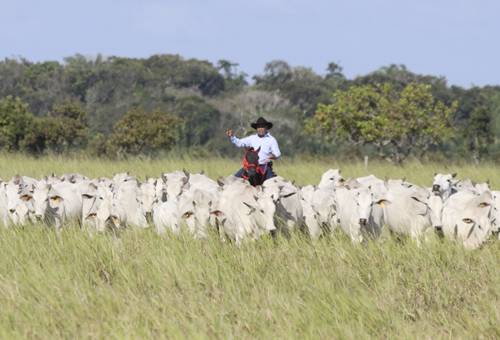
(140, 285)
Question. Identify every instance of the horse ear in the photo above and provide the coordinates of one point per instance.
(258, 150)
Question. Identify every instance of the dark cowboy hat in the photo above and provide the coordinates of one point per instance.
(261, 122)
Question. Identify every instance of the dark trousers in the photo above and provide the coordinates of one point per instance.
(268, 174)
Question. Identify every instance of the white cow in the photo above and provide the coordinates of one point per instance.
(311, 216)
(495, 216)
(99, 210)
(407, 210)
(128, 207)
(147, 196)
(173, 184)
(4, 218)
(330, 179)
(444, 185)
(319, 209)
(244, 211)
(287, 198)
(19, 202)
(467, 218)
(355, 212)
(166, 216)
(43, 211)
(65, 202)
(194, 207)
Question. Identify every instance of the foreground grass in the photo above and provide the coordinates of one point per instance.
(141, 285)
(138, 284)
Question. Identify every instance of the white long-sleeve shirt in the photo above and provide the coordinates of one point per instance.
(267, 144)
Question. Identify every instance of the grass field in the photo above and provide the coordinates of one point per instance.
(140, 285)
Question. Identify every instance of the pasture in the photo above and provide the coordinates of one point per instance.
(137, 284)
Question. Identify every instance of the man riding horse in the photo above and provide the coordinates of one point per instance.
(262, 142)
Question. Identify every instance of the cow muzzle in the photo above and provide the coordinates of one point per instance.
(436, 187)
(363, 222)
(149, 217)
(439, 230)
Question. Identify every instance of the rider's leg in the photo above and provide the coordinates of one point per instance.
(239, 173)
(269, 173)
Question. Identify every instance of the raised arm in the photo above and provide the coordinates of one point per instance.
(241, 143)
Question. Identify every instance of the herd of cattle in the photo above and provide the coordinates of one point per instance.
(361, 207)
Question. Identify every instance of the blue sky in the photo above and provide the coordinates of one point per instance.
(457, 39)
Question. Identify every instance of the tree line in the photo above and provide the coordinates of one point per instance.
(114, 107)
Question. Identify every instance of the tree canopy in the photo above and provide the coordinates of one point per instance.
(392, 112)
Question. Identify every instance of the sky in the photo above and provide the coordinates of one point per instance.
(457, 39)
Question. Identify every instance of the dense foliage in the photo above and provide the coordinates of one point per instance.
(37, 99)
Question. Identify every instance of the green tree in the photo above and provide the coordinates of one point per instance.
(144, 132)
(65, 128)
(233, 80)
(396, 122)
(201, 120)
(474, 119)
(15, 120)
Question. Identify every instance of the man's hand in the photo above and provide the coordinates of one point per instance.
(229, 133)
(271, 156)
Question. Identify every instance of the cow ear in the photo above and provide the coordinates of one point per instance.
(17, 179)
(217, 213)
(454, 175)
(194, 204)
(383, 202)
(258, 150)
(26, 197)
(56, 198)
(186, 173)
(220, 182)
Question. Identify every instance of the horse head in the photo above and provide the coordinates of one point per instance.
(252, 170)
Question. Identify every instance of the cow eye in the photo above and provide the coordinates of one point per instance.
(468, 220)
(262, 210)
(187, 214)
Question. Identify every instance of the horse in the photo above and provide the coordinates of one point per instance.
(252, 171)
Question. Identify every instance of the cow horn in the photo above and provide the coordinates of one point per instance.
(252, 209)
